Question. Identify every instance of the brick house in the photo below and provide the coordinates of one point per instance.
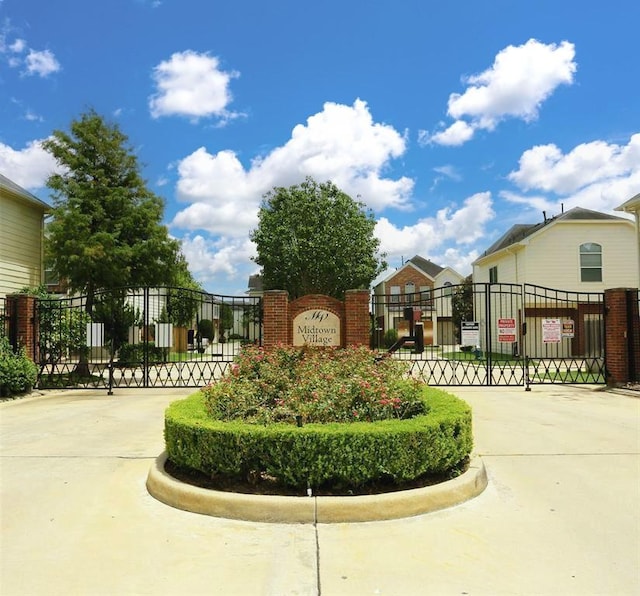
(422, 285)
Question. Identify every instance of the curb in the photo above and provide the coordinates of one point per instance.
(311, 510)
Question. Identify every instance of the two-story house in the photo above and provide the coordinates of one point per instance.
(21, 237)
(423, 286)
(579, 250)
(570, 259)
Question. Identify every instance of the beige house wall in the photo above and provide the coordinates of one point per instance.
(551, 257)
(21, 244)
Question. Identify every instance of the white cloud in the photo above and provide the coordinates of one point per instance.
(427, 236)
(18, 46)
(519, 81)
(457, 134)
(192, 85)
(449, 171)
(596, 175)
(29, 167)
(341, 143)
(545, 167)
(225, 257)
(41, 63)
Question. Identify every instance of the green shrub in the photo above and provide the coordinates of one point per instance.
(18, 373)
(322, 455)
(390, 337)
(314, 384)
(205, 329)
(133, 354)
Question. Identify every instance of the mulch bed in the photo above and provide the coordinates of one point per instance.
(262, 484)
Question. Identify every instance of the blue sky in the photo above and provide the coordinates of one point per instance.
(451, 121)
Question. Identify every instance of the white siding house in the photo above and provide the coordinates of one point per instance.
(580, 250)
(633, 206)
(21, 237)
(578, 255)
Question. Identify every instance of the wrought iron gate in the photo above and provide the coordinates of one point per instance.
(150, 337)
(496, 334)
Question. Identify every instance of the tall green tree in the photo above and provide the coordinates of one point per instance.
(106, 230)
(315, 239)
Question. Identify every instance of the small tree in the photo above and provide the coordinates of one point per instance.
(315, 239)
(462, 305)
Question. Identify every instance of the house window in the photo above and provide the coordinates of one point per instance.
(493, 275)
(395, 294)
(447, 288)
(590, 262)
(409, 291)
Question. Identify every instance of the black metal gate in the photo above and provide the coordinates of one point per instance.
(150, 337)
(495, 334)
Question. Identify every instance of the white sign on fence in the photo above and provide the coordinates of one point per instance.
(551, 331)
(568, 328)
(507, 330)
(470, 333)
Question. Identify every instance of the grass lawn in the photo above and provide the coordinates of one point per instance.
(470, 356)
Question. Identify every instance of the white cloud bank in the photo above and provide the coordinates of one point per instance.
(341, 143)
(29, 167)
(432, 236)
(192, 85)
(519, 81)
(596, 175)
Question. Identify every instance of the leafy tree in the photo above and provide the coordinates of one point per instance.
(61, 327)
(462, 305)
(315, 239)
(106, 229)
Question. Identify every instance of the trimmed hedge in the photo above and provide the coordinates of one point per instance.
(348, 454)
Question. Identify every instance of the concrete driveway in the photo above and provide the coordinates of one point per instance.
(561, 514)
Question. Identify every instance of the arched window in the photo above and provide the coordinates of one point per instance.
(590, 262)
(447, 288)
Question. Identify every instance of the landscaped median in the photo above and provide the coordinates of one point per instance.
(333, 459)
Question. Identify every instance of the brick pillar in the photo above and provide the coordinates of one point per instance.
(21, 309)
(358, 321)
(276, 318)
(622, 335)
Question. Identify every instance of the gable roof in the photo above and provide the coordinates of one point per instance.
(519, 232)
(422, 265)
(17, 190)
(630, 206)
(255, 283)
(431, 269)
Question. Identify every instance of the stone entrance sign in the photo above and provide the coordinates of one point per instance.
(316, 327)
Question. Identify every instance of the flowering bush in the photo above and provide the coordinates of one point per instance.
(289, 384)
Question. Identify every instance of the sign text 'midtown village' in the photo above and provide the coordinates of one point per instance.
(316, 327)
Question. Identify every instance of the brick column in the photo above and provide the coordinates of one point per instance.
(358, 321)
(21, 309)
(276, 318)
(622, 335)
